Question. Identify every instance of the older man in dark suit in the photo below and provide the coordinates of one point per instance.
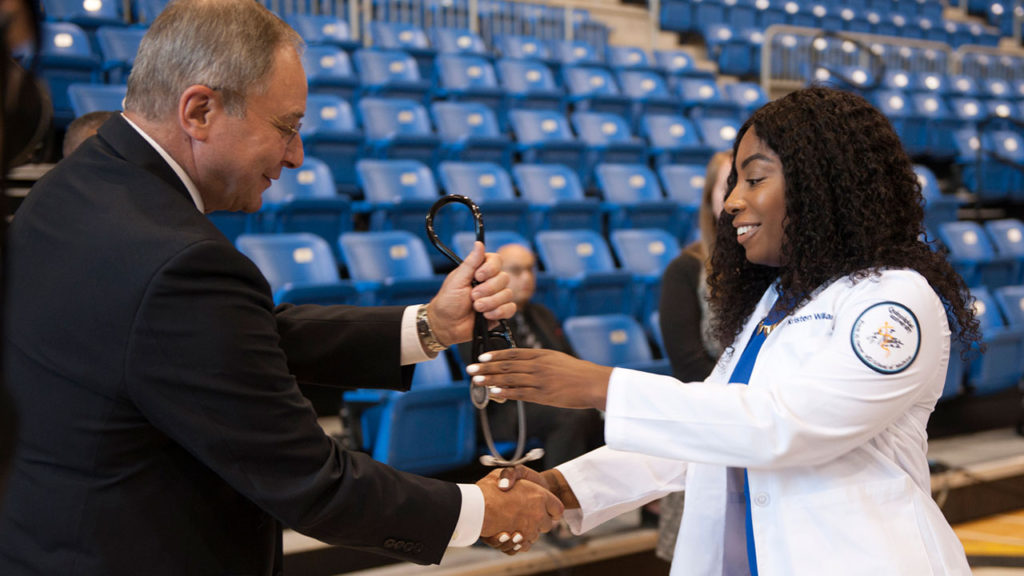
(162, 429)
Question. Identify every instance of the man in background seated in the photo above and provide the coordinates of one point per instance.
(83, 127)
(162, 431)
(565, 434)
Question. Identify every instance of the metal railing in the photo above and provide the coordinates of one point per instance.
(791, 53)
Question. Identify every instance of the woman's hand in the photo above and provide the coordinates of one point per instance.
(542, 376)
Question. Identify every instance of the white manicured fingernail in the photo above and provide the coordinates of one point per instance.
(504, 483)
(517, 547)
(484, 357)
(472, 368)
(517, 538)
(479, 379)
(495, 390)
(503, 538)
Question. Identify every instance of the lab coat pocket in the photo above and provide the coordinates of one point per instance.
(864, 529)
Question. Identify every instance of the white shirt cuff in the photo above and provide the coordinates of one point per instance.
(471, 517)
(412, 350)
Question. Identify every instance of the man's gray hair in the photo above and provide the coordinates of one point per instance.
(227, 45)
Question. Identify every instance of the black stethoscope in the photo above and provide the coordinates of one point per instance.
(485, 339)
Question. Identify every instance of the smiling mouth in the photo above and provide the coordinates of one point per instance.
(742, 231)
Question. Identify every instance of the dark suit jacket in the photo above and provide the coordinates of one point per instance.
(162, 430)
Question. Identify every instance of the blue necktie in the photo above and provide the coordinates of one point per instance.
(741, 375)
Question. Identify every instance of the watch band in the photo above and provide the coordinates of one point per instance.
(427, 338)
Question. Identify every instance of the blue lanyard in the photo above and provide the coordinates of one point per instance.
(741, 375)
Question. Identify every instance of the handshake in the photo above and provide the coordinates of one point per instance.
(520, 505)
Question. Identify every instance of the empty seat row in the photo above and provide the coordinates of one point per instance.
(580, 275)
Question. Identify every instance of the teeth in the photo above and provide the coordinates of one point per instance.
(744, 229)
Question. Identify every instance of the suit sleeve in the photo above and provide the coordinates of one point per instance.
(206, 365)
(349, 346)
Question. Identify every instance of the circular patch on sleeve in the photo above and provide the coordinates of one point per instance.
(886, 337)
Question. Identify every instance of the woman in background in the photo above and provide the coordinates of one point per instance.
(686, 321)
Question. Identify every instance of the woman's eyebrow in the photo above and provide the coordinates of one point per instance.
(755, 156)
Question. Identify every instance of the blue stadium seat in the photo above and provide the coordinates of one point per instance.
(748, 95)
(556, 198)
(897, 107)
(1007, 236)
(718, 133)
(621, 57)
(391, 73)
(458, 41)
(118, 46)
(995, 89)
(1002, 161)
(393, 265)
(999, 368)
(400, 193)
(300, 268)
(613, 340)
(575, 53)
(304, 199)
(329, 71)
(426, 430)
(594, 89)
(938, 207)
(328, 29)
(677, 63)
(399, 128)
(146, 10)
(462, 242)
(972, 255)
(1010, 300)
(738, 51)
(962, 85)
(608, 139)
(469, 132)
(470, 78)
(520, 47)
(701, 97)
(65, 57)
(966, 111)
(932, 122)
(530, 84)
(676, 16)
(635, 200)
(490, 187)
(587, 280)
(329, 133)
(648, 93)
(674, 139)
(543, 136)
(405, 37)
(87, 98)
(645, 252)
(89, 15)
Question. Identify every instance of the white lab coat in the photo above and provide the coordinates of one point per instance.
(835, 449)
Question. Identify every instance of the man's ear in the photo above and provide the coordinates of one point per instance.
(197, 107)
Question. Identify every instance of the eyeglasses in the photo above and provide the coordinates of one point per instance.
(287, 132)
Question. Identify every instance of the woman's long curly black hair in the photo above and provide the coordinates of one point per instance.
(853, 207)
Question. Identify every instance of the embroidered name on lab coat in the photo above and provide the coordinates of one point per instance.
(808, 317)
(886, 337)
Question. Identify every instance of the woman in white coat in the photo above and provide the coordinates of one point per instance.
(804, 453)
